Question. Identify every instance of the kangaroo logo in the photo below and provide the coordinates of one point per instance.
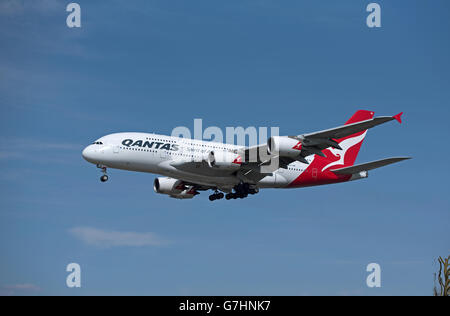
(345, 145)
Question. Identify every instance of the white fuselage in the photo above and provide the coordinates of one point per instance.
(165, 155)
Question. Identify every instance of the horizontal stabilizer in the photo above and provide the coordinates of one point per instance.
(369, 165)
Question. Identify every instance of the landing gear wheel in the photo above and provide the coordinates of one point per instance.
(104, 178)
(229, 196)
(216, 196)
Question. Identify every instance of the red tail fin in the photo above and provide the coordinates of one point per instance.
(350, 144)
(359, 116)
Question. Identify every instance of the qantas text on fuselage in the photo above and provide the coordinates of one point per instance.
(189, 166)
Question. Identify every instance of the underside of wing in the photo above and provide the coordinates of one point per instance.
(349, 129)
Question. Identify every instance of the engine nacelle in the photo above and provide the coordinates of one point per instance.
(186, 194)
(168, 186)
(284, 146)
(224, 160)
(173, 188)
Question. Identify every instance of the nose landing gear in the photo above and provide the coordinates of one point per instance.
(104, 177)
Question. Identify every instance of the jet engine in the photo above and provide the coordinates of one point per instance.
(224, 160)
(284, 146)
(174, 188)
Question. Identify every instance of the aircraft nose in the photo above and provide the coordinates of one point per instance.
(89, 154)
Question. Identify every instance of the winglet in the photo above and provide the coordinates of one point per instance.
(398, 117)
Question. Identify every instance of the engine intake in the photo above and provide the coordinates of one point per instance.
(224, 160)
(284, 146)
(174, 188)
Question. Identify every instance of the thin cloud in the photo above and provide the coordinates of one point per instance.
(18, 7)
(14, 289)
(26, 286)
(10, 155)
(103, 238)
(30, 149)
(35, 144)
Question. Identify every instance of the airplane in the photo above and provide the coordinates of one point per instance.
(189, 166)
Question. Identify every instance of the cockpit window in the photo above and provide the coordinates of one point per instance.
(97, 143)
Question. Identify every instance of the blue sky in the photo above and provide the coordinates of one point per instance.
(154, 65)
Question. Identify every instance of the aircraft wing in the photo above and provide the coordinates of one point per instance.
(326, 138)
(263, 158)
(369, 165)
(191, 166)
(350, 129)
(199, 168)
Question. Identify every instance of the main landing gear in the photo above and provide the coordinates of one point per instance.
(216, 196)
(241, 191)
(104, 177)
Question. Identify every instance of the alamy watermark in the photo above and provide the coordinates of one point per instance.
(74, 18)
(374, 18)
(246, 141)
(374, 278)
(74, 277)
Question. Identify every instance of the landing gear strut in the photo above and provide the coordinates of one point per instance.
(104, 177)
